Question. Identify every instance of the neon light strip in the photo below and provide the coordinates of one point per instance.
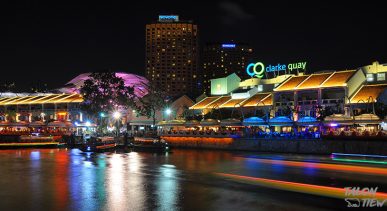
(318, 190)
(336, 167)
(360, 155)
(360, 161)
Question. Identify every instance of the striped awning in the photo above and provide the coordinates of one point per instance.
(41, 99)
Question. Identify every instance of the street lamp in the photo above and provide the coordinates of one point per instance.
(168, 111)
(116, 116)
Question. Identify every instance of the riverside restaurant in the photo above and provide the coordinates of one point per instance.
(44, 114)
(323, 104)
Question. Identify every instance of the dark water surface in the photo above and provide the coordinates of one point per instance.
(60, 179)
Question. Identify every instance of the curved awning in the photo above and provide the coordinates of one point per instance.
(209, 122)
(37, 124)
(338, 119)
(307, 120)
(280, 121)
(230, 122)
(254, 121)
(4, 123)
(18, 124)
(367, 119)
(59, 124)
(174, 122)
(192, 123)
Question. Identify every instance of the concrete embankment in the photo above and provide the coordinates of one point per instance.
(311, 146)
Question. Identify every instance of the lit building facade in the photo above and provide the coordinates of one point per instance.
(328, 98)
(222, 59)
(172, 55)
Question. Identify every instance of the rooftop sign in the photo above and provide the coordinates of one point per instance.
(228, 45)
(168, 18)
(258, 69)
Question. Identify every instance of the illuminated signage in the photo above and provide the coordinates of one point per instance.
(258, 69)
(168, 18)
(228, 45)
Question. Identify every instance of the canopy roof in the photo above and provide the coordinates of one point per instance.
(230, 122)
(253, 121)
(317, 80)
(368, 93)
(41, 99)
(259, 99)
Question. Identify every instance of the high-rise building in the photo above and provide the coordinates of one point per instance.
(172, 55)
(223, 59)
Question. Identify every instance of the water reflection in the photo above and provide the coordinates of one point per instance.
(58, 179)
(167, 187)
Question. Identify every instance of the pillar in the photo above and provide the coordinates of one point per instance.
(55, 111)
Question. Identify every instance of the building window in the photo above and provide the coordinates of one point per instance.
(370, 77)
(381, 77)
(260, 88)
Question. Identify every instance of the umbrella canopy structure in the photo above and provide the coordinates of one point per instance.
(171, 123)
(18, 124)
(192, 123)
(4, 123)
(210, 122)
(230, 122)
(307, 120)
(280, 121)
(59, 124)
(37, 124)
(338, 119)
(367, 119)
(254, 121)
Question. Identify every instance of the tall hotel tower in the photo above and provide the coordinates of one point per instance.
(172, 55)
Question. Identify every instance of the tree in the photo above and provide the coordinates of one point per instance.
(156, 99)
(105, 92)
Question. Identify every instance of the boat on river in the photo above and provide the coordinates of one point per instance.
(150, 143)
(29, 141)
(99, 144)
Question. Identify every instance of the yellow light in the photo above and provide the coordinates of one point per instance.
(116, 115)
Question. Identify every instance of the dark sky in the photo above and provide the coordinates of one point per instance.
(52, 42)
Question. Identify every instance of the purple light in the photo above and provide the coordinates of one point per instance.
(333, 124)
(138, 82)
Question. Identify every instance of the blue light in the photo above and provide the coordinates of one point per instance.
(88, 124)
(168, 18)
(359, 155)
(228, 45)
(88, 148)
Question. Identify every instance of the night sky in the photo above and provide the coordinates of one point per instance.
(54, 41)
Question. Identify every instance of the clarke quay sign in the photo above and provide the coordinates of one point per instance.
(258, 69)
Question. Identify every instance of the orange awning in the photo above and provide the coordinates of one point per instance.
(368, 93)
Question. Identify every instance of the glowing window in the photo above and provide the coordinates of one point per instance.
(370, 77)
(381, 77)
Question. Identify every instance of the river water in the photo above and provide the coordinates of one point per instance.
(68, 179)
